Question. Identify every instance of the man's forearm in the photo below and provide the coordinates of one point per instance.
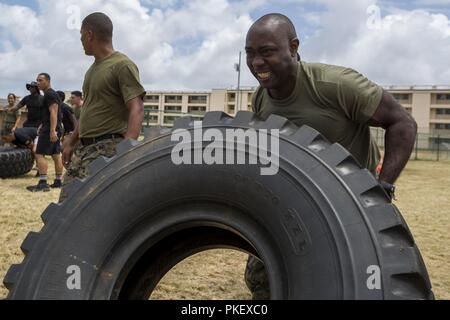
(17, 107)
(53, 119)
(135, 118)
(74, 137)
(399, 143)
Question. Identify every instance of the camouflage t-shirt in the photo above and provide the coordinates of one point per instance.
(108, 85)
(336, 101)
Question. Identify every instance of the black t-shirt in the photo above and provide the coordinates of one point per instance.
(51, 97)
(67, 118)
(34, 105)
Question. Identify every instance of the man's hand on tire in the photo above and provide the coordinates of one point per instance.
(389, 189)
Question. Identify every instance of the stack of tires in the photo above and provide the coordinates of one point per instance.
(15, 162)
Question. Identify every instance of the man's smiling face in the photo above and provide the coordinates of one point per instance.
(269, 56)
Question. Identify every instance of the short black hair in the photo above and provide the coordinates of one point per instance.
(77, 93)
(61, 95)
(12, 94)
(100, 24)
(46, 75)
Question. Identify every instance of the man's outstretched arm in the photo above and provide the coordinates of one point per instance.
(401, 130)
(136, 116)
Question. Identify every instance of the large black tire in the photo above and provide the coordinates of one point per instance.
(322, 225)
(15, 162)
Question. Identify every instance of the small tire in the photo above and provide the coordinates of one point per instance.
(15, 162)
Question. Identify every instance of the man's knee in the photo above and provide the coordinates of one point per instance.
(256, 279)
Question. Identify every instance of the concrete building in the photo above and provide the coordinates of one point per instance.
(164, 107)
(429, 105)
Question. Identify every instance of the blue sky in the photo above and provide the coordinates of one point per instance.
(194, 44)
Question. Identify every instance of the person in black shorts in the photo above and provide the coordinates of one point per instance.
(69, 121)
(49, 134)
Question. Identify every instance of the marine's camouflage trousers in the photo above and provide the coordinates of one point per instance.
(256, 279)
(82, 157)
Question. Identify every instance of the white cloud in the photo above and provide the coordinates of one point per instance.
(408, 47)
(194, 44)
(156, 39)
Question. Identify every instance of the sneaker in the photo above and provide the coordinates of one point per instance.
(56, 184)
(41, 186)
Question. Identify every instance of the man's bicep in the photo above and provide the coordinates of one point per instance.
(389, 111)
(357, 96)
(135, 103)
(53, 107)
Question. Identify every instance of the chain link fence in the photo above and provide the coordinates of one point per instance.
(434, 147)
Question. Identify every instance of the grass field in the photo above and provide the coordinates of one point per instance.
(422, 196)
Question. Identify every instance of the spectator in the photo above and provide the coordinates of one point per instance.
(76, 100)
(49, 133)
(68, 118)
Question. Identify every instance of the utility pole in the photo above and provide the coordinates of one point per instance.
(237, 67)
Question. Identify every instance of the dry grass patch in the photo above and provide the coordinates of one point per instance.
(423, 198)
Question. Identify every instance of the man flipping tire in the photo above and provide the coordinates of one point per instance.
(338, 102)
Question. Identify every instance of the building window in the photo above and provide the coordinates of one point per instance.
(443, 96)
(442, 126)
(401, 96)
(175, 109)
(443, 111)
(170, 119)
(149, 118)
(151, 108)
(173, 99)
(197, 99)
(151, 98)
(232, 97)
(196, 109)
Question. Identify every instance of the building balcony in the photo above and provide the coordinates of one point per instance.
(195, 104)
(440, 117)
(197, 100)
(440, 106)
(173, 109)
(197, 109)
